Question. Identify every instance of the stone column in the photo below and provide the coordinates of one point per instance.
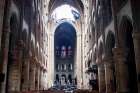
(50, 59)
(32, 76)
(136, 40)
(101, 77)
(4, 58)
(4, 48)
(121, 70)
(109, 74)
(25, 85)
(27, 73)
(37, 79)
(40, 79)
(14, 68)
(78, 62)
(20, 47)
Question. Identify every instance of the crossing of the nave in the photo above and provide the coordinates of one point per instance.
(69, 46)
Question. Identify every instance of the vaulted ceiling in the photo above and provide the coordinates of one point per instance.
(53, 4)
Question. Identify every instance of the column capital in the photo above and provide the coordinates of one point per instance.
(108, 60)
(119, 54)
(118, 51)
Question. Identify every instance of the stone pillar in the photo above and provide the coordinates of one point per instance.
(42, 86)
(109, 74)
(26, 65)
(121, 70)
(4, 48)
(37, 79)
(50, 59)
(14, 68)
(40, 79)
(4, 58)
(79, 70)
(136, 40)
(101, 77)
(32, 76)
(14, 76)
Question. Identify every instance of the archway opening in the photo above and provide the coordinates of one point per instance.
(65, 49)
